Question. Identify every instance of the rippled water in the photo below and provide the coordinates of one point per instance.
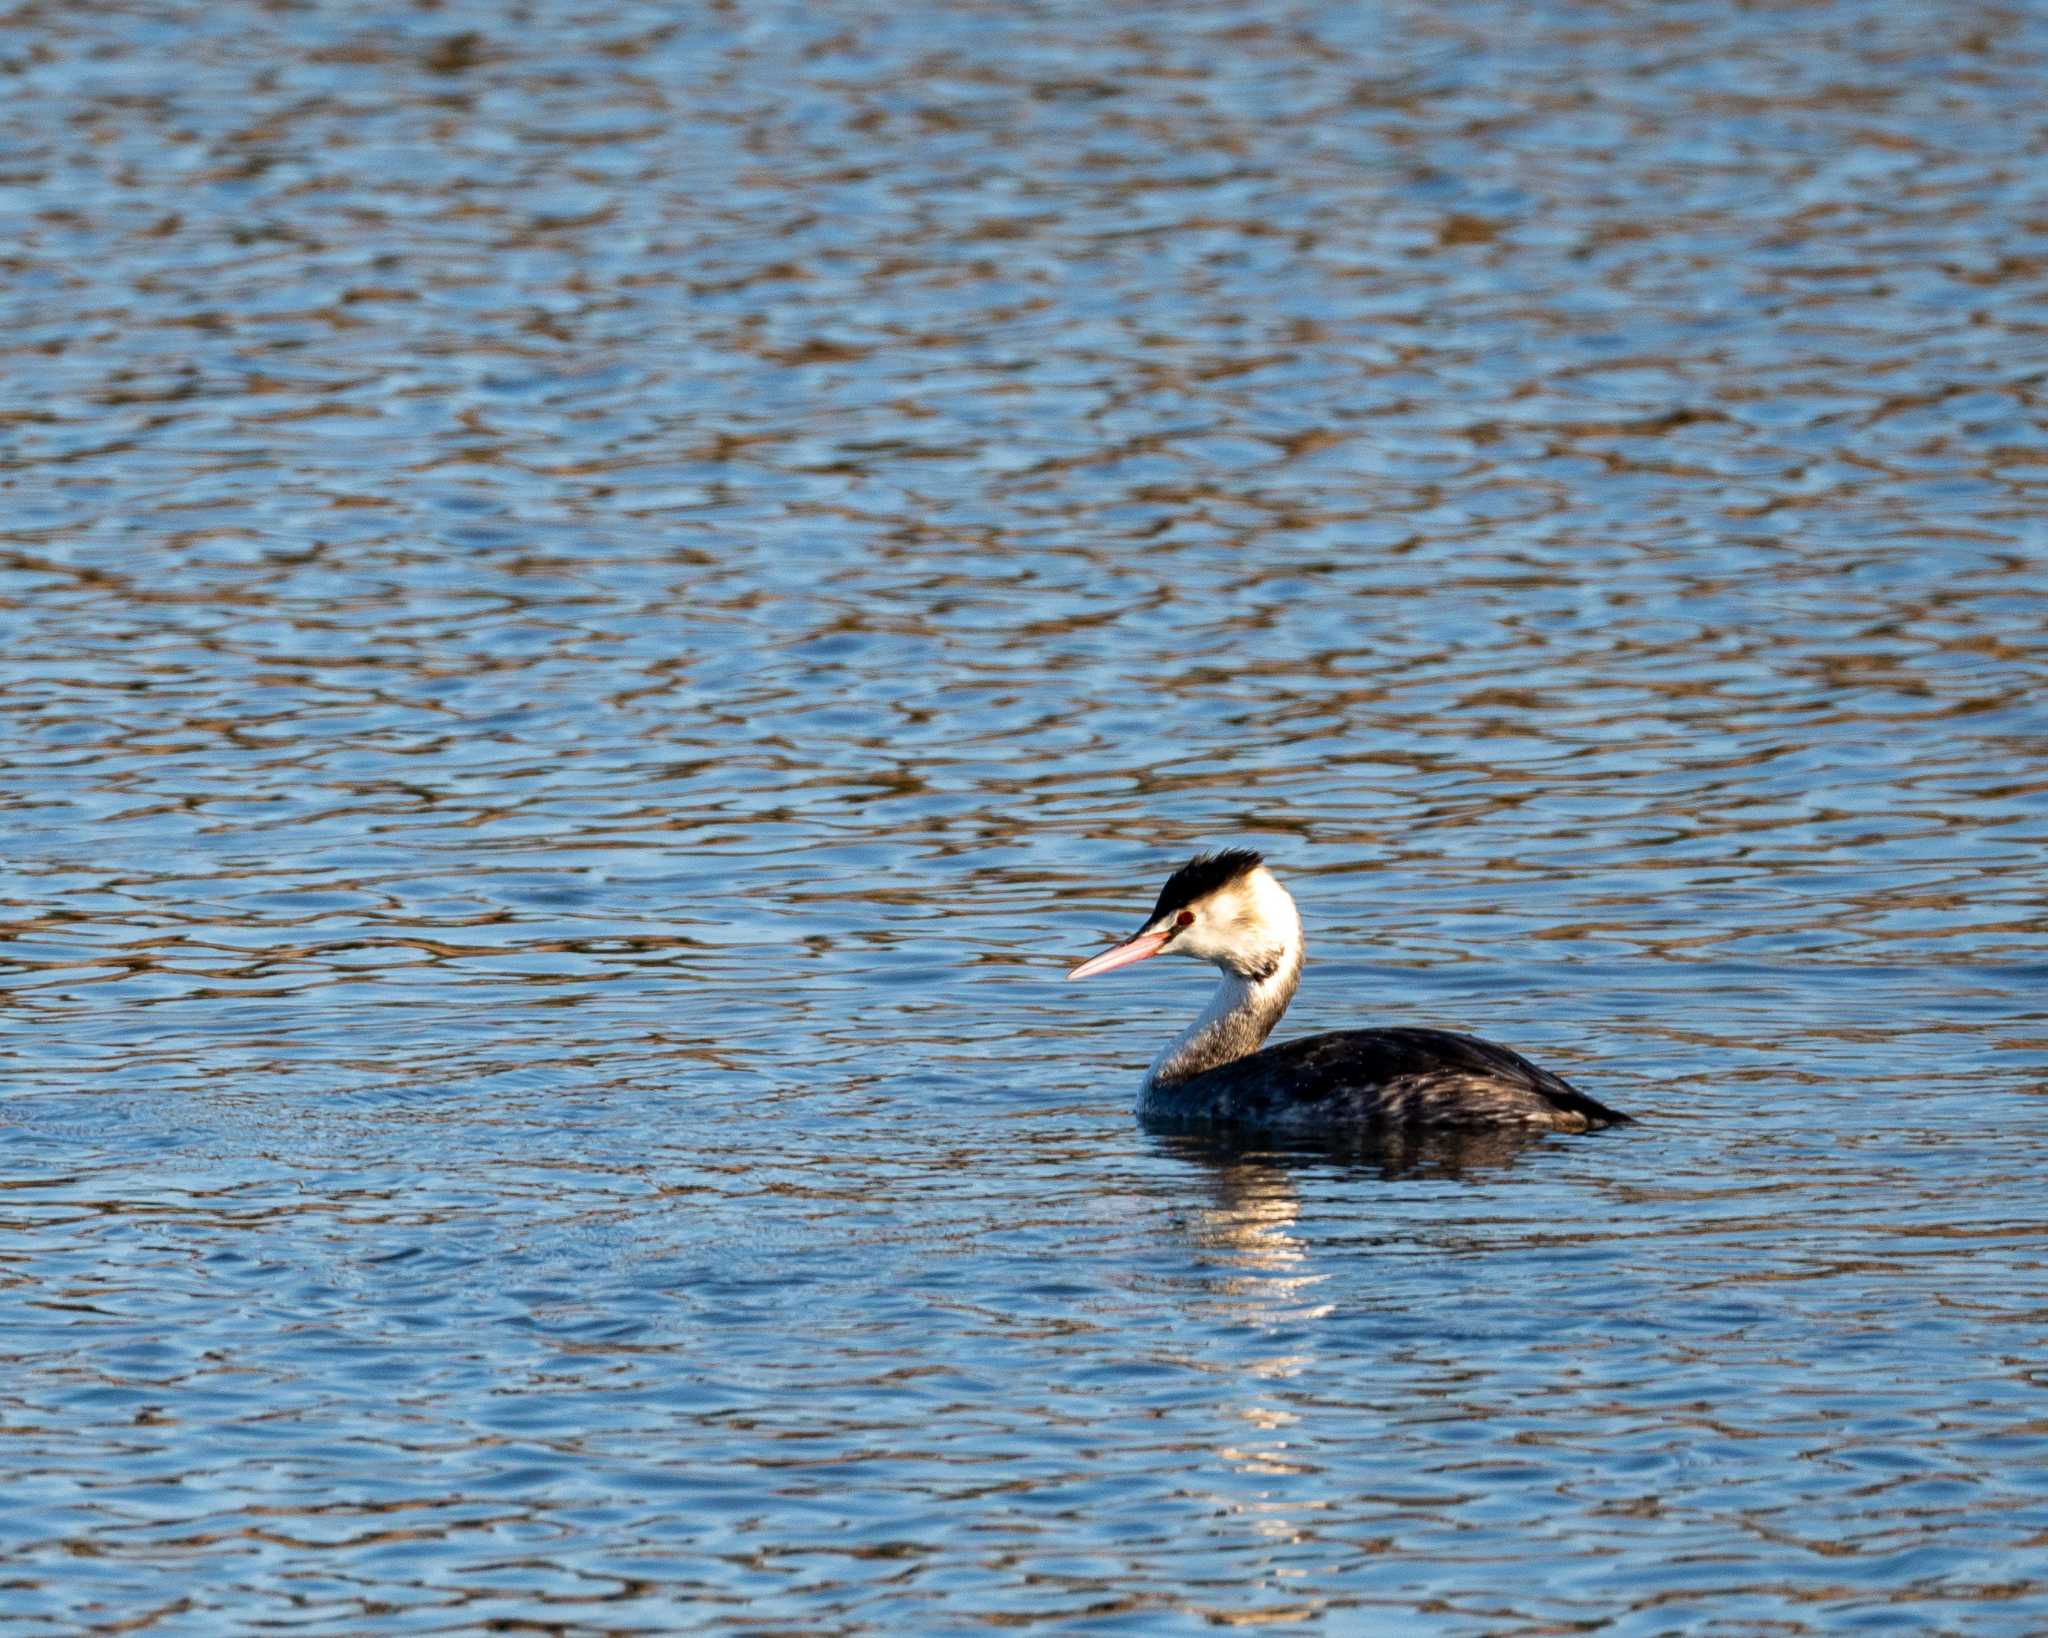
(594, 604)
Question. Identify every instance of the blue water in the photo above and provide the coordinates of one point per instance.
(595, 605)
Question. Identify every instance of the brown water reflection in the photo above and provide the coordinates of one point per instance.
(595, 603)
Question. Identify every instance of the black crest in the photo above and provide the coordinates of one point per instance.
(1201, 876)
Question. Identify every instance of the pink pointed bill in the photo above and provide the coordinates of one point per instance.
(1137, 948)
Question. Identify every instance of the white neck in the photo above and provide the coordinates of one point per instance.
(1254, 992)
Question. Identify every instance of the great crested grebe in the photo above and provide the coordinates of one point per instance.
(1226, 909)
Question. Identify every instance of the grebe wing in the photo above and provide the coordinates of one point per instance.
(1426, 1077)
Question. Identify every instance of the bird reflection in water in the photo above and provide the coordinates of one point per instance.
(1384, 1152)
(1258, 1272)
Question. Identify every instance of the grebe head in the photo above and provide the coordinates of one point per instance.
(1223, 908)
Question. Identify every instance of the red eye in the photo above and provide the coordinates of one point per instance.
(1186, 918)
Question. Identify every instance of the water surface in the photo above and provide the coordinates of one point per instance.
(595, 604)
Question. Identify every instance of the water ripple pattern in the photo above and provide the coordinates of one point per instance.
(595, 602)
